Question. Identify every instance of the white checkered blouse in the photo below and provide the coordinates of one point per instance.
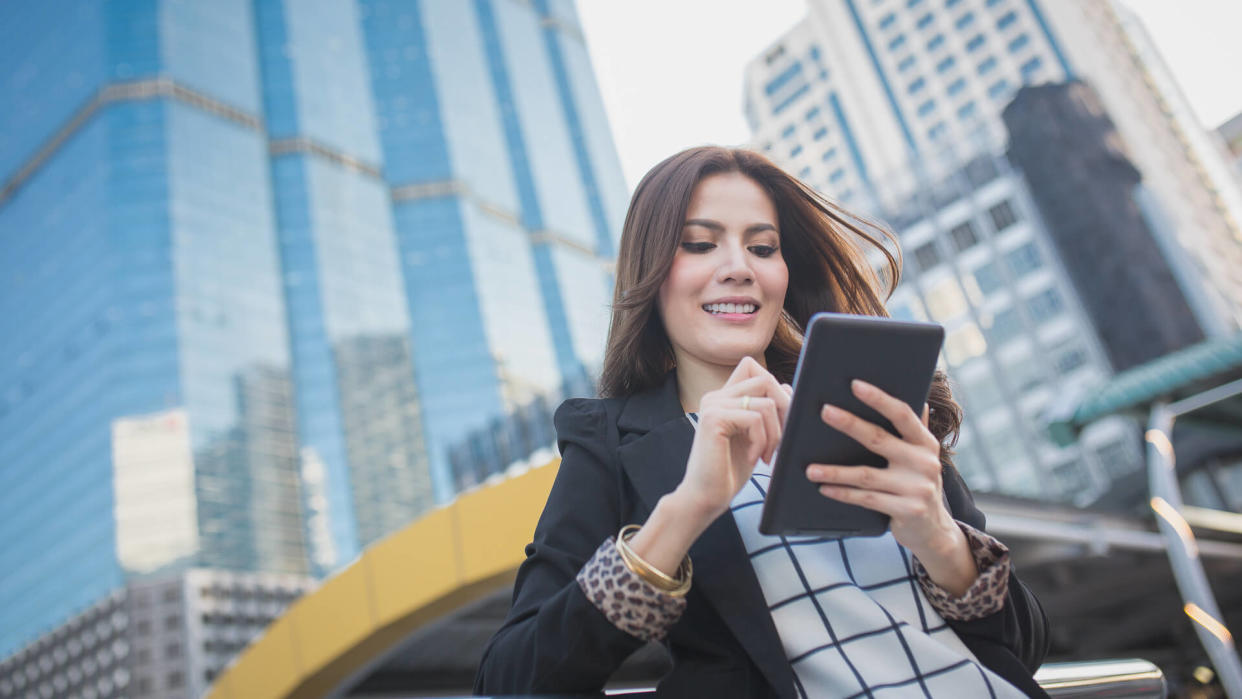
(852, 617)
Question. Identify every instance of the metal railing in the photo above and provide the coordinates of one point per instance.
(1116, 679)
(1137, 679)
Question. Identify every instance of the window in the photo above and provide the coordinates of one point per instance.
(820, 133)
(963, 235)
(946, 64)
(836, 176)
(804, 173)
(983, 394)
(1005, 326)
(887, 20)
(987, 276)
(829, 154)
(987, 65)
(924, 21)
(172, 650)
(913, 3)
(916, 86)
(945, 300)
(927, 107)
(926, 255)
(936, 42)
(975, 43)
(905, 64)
(1024, 260)
(1025, 374)
(172, 622)
(1002, 216)
(1006, 19)
(795, 152)
(1031, 67)
(902, 311)
(812, 113)
(994, 3)
(174, 680)
(788, 132)
(998, 89)
(964, 344)
(1017, 44)
(951, 3)
(938, 131)
(897, 42)
(956, 87)
(1069, 356)
(965, 20)
(783, 78)
(966, 111)
(1045, 305)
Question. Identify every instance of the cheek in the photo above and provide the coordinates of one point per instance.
(777, 283)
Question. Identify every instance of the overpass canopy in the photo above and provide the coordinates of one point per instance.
(1187, 372)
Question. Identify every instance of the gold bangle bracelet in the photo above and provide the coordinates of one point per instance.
(676, 587)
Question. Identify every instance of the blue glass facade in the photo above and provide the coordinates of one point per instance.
(262, 262)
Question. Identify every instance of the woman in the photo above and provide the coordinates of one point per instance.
(723, 260)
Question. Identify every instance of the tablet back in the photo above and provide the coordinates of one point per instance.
(897, 356)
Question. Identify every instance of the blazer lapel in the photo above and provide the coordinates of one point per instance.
(654, 457)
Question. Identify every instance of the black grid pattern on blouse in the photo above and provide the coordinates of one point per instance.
(836, 617)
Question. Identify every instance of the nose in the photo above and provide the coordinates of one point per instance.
(735, 265)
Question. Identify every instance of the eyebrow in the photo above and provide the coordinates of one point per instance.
(717, 227)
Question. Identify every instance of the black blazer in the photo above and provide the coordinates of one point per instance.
(619, 456)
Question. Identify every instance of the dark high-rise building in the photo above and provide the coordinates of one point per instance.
(1090, 196)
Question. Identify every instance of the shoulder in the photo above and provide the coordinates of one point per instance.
(590, 423)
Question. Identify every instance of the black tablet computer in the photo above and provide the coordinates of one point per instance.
(897, 356)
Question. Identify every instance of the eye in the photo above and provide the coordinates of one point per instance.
(763, 250)
(697, 247)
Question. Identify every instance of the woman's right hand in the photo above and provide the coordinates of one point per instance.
(738, 424)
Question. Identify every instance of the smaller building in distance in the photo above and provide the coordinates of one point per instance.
(162, 637)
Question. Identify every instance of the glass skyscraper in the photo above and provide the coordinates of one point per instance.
(263, 262)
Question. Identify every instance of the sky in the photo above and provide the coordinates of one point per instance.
(644, 52)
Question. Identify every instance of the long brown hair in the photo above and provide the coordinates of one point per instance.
(823, 246)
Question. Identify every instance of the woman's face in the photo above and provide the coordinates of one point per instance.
(723, 296)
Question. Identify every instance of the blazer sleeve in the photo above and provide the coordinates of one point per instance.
(554, 639)
(1021, 625)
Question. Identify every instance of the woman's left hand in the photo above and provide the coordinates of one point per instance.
(910, 491)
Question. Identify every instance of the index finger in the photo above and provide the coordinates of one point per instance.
(746, 369)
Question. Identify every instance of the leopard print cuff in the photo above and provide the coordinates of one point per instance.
(629, 602)
(987, 595)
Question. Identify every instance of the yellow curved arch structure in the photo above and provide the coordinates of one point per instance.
(441, 562)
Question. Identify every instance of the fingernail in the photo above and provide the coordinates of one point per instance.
(860, 386)
(812, 472)
(831, 412)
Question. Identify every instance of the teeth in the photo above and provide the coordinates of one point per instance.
(729, 307)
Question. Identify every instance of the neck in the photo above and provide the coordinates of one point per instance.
(696, 377)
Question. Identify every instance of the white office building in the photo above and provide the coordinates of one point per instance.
(868, 98)
(893, 108)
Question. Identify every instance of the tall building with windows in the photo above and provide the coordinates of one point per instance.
(893, 108)
(262, 262)
(868, 99)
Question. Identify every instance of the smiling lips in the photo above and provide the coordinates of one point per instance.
(731, 309)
